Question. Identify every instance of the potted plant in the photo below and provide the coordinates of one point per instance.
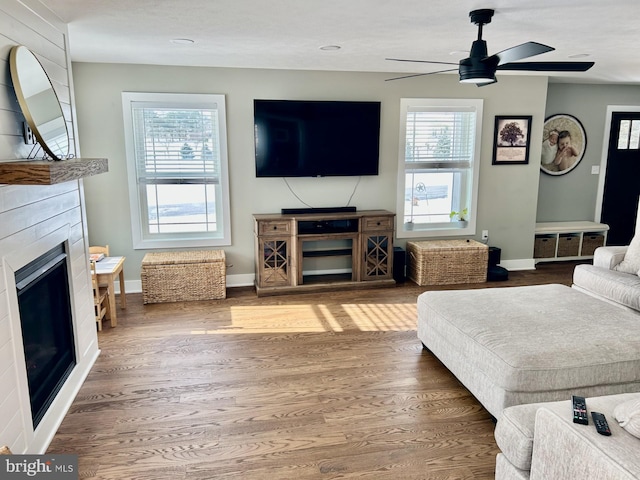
(461, 217)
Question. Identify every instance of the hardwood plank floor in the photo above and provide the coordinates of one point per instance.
(312, 386)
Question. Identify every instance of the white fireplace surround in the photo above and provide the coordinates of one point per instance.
(34, 219)
(36, 441)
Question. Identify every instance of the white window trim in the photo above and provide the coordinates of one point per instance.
(186, 100)
(437, 230)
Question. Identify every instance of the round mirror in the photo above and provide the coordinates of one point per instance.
(39, 102)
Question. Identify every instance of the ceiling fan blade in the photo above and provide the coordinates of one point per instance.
(548, 66)
(520, 52)
(419, 61)
(421, 74)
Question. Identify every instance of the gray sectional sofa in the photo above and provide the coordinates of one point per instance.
(603, 281)
(614, 275)
(523, 351)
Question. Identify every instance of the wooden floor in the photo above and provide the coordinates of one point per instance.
(313, 386)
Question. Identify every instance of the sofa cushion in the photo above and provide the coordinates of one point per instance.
(514, 434)
(628, 416)
(631, 261)
(507, 471)
(618, 287)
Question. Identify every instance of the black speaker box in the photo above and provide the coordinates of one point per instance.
(399, 264)
(494, 256)
(497, 274)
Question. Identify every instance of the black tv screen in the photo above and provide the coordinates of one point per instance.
(295, 138)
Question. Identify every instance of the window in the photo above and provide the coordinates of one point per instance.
(438, 166)
(177, 165)
(629, 136)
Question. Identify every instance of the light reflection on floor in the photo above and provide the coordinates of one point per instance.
(364, 317)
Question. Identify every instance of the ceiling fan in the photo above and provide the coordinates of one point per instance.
(480, 68)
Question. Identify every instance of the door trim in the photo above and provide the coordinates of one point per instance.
(611, 109)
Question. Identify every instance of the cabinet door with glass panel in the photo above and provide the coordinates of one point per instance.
(273, 253)
(377, 247)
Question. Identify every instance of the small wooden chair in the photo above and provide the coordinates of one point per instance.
(99, 249)
(100, 298)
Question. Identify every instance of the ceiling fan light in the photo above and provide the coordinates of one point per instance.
(476, 72)
(478, 80)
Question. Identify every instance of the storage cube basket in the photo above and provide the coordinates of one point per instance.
(591, 241)
(544, 246)
(568, 245)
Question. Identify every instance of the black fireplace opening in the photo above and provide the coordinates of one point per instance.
(47, 327)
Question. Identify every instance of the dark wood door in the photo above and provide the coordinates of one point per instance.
(622, 178)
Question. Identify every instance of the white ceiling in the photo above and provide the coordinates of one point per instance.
(288, 34)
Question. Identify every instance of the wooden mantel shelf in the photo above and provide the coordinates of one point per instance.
(45, 172)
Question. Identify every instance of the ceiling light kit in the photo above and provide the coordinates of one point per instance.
(480, 68)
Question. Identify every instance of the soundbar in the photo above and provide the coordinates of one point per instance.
(301, 211)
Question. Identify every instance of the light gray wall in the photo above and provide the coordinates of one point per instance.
(507, 196)
(573, 196)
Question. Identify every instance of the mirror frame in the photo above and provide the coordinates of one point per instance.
(24, 106)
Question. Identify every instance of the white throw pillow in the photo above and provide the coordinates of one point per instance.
(628, 416)
(631, 261)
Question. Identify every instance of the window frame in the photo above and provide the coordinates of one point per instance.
(445, 228)
(142, 240)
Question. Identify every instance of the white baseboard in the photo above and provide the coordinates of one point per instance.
(519, 264)
(248, 279)
(243, 280)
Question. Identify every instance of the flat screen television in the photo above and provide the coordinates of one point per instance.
(299, 138)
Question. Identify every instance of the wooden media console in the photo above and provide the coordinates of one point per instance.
(323, 251)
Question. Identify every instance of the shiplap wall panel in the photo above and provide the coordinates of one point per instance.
(49, 29)
(31, 215)
(15, 196)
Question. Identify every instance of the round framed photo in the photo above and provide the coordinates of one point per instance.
(564, 142)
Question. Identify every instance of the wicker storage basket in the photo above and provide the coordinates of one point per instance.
(446, 262)
(591, 241)
(544, 246)
(183, 276)
(568, 245)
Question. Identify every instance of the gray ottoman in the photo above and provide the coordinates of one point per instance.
(510, 346)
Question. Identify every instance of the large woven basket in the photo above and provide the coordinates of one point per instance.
(183, 276)
(446, 262)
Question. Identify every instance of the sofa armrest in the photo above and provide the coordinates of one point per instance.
(563, 450)
(608, 257)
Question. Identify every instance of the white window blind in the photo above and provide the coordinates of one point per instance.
(176, 145)
(437, 138)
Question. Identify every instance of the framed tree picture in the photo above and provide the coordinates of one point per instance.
(511, 142)
(563, 144)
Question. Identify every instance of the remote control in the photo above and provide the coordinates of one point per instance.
(579, 410)
(602, 427)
